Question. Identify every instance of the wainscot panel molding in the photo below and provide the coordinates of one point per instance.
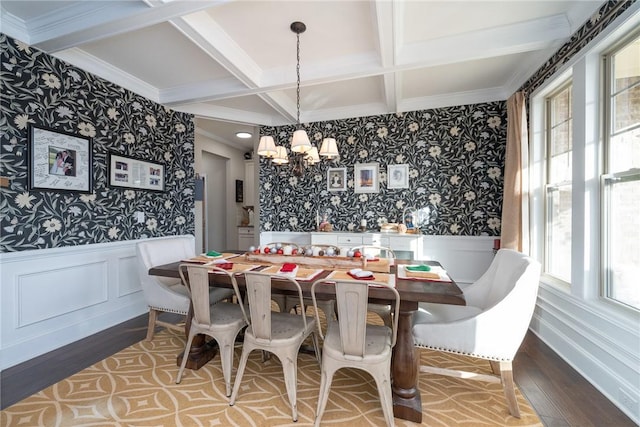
(466, 258)
(602, 348)
(52, 297)
(299, 238)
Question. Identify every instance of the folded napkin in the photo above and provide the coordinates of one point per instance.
(421, 267)
(360, 274)
(219, 261)
(224, 265)
(288, 267)
(426, 272)
(213, 254)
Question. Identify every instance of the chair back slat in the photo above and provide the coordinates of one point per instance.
(259, 299)
(352, 301)
(197, 281)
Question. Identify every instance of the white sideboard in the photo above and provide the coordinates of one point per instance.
(404, 245)
(466, 258)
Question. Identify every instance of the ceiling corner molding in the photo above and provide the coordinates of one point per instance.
(453, 99)
(348, 112)
(90, 63)
(14, 27)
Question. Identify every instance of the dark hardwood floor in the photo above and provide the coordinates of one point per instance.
(560, 396)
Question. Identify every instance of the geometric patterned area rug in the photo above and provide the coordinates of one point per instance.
(136, 387)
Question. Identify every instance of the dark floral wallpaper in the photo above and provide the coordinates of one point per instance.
(455, 159)
(607, 13)
(39, 89)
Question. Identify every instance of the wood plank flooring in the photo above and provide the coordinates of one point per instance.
(560, 396)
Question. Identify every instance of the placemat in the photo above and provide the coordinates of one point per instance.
(237, 268)
(203, 259)
(436, 274)
(302, 273)
(379, 277)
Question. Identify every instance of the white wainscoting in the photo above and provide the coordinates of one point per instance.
(52, 297)
(465, 258)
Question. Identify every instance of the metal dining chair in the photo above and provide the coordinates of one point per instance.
(222, 321)
(353, 343)
(382, 310)
(278, 333)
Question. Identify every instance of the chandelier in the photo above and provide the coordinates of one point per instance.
(303, 153)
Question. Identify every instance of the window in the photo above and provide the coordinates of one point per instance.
(557, 248)
(621, 180)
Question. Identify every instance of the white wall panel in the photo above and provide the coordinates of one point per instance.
(128, 282)
(46, 294)
(52, 297)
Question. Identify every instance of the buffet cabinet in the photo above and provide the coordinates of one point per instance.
(407, 246)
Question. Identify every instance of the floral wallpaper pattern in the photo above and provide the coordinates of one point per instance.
(607, 13)
(40, 89)
(455, 157)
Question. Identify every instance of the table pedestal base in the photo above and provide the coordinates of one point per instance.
(407, 403)
(200, 354)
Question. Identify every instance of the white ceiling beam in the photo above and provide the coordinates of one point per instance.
(486, 43)
(230, 114)
(78, 26)
(389, 30)
(212, 39)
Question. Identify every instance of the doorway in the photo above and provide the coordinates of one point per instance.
(214, 169)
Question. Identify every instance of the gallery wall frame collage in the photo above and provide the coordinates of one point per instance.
(366, 178)
(62, 161)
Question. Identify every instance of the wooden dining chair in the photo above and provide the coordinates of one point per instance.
(382, 310)
(278, 333)
(222, 321)
(353, 343)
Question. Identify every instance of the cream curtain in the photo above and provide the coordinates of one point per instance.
(512, 212)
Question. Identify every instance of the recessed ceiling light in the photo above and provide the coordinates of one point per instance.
(243, 135)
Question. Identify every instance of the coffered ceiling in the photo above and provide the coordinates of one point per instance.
(233, 63)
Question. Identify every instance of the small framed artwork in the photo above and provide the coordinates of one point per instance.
(398, 176)
(239, 191)
(366, 177)
(133, 173)
(337, 179)
(59, 161)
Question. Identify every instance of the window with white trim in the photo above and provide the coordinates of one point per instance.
(621, 179)
(558, 160)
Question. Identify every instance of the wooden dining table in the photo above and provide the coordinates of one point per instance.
(407, 402)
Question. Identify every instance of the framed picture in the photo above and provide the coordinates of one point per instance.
(366, 177)
(133, 173)
(337, 179)
(239, 191)
(59, 161)
(398, 176)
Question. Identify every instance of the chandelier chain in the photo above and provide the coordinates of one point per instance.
(298, 76)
